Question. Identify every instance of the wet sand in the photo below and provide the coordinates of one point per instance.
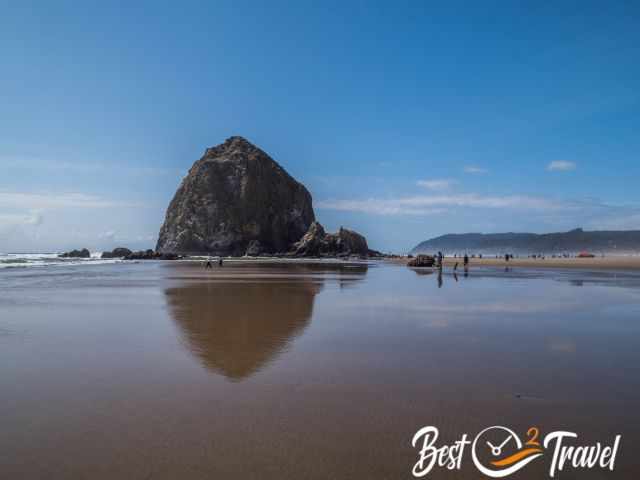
(160, 370)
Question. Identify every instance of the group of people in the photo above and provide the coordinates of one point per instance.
(208, 263)
(440, 262)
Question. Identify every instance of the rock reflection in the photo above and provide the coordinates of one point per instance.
(238, 319)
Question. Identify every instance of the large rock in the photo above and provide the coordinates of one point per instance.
(84, 253)
(317, 243)
(119, 252)
(233, 198)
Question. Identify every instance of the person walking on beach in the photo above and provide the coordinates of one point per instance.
(208, 264)
(465, 261)
(220, 262)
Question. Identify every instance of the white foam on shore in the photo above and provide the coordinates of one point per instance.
(27, 260)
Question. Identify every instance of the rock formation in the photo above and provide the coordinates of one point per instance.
(236, 200)
(316, 242)
(151, 255)
(119, 252)
(422, 261)
(84, 253)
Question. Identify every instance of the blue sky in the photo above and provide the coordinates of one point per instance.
(405, 120)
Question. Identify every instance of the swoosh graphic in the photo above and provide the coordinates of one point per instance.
(516, 457)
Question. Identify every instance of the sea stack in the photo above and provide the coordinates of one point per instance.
(236, 198)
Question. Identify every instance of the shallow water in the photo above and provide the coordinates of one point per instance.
(165, 370)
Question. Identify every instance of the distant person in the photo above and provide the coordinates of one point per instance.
(208, 264)
(220, 262)
(455, 267)
(465, 260)
(506, 257)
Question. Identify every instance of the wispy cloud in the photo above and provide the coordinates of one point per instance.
(82, 166)
(108, 235)
(472, 169)
(436, 184)
(42, 201)
(434, 204)
(561, 166)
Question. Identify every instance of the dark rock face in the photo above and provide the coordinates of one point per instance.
(316, 242)
(236, 198)
(84, 253)
(119, 252)
(352, 242)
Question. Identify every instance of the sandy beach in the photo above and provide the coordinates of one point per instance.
(292, 370)
(604, 263)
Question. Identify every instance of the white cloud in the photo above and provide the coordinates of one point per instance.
(434, 204)
(436, 184)
(561, 166)
(34, 218)
(474, 169)
(41, 201)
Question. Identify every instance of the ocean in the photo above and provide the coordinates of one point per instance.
(23, 260)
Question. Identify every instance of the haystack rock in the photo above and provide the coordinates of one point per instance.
(236, 197)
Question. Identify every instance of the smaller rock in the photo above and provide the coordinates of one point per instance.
(119, 252)
(168, 256)
(84, 253)
(351, 242)
(422, 261)
(317, 243)
(312, 243)
(151, 255)
(141, 255)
